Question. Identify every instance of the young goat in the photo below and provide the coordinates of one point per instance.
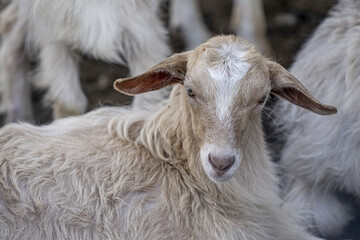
(321, 155)
(126, 32)
(195, 169)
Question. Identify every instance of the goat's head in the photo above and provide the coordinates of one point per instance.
(226, 83)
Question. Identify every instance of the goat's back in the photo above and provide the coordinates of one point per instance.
(327, 148)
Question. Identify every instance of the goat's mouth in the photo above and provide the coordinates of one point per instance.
(223, 176)
(220, 163)
(220, 178)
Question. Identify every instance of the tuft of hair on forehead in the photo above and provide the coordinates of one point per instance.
(228, 40)
(227, 56)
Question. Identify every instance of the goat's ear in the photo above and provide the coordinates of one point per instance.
(287, 86)
(170, 71)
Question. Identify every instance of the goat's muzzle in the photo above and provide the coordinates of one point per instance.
(221, 164)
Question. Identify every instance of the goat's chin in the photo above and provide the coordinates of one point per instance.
(222, 178)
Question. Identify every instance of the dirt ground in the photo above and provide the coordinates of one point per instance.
(289, 24)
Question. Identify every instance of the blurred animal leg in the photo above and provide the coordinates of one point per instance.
(185, 16)
(248, 21)
(59, 72)
(15, 88)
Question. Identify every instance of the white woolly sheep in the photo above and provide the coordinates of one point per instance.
(321, 155)
(247, 20)
(120, 31)
(195, 169)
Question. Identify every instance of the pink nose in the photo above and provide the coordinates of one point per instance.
(221, 163)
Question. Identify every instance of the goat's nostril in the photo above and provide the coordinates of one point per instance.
(221, 163)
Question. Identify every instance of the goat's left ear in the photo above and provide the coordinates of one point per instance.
(170, 71)
(287, 86)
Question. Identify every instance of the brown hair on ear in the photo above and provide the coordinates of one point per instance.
(170, 71)
(287, 86)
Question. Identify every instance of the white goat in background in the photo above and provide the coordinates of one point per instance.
(195, 169)
(119, 31)
(247, 20)
(126, 32)
(322, 155)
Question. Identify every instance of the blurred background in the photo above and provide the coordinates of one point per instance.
(289, 24)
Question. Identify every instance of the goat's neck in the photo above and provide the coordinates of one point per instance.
(168, 134)
(170, 137)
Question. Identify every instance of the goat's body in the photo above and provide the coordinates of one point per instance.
(110, 27)
(113, 174)
(124, 32)
(322, 154)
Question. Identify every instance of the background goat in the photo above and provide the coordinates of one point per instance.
(196, 169)
(125, 32)
(118, 32)
(321, 155)
(247, 20)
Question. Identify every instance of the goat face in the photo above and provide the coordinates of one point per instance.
(226, 84)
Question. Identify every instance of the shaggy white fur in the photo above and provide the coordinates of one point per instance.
(321, 155)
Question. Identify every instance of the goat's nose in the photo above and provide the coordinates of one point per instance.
(221, 163)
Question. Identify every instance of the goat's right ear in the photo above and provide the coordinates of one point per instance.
(288, 87)
(170, 71)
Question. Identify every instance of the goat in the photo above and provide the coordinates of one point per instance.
(116, 32)
(247, 20)
(195, 169)
(121, 31)
(321, 155)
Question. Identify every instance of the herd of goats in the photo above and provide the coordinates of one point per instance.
(188, 159)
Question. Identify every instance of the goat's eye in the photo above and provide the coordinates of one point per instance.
(190, 92)
(263, 99)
